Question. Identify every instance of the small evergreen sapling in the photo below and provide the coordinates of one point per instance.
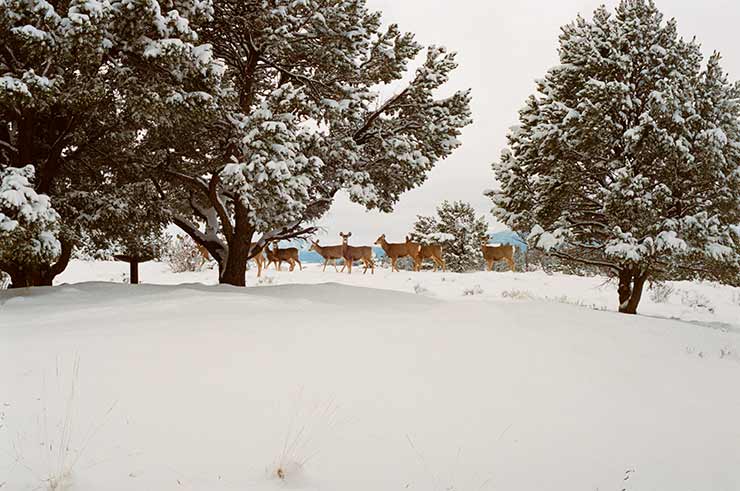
(458, 230)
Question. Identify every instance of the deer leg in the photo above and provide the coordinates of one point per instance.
(326, 261)
(393, 264)
(334, 262)
(512, 265)
(299, 264)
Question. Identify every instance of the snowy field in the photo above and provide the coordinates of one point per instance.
(321, 381)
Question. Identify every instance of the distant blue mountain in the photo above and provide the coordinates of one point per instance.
(508, 237)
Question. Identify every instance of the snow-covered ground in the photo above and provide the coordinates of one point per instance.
(398, 381)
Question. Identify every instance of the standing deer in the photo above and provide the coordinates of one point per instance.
(420, 252)
(278, 256)
(204, 255)
(329, 253)
(259, 259)
(498, 253)
(395, 251)
(352, 254)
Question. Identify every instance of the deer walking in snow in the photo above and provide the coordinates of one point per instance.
(259, 259)
(329, 253)
(421, 252)
(395, 251)
(352, 254)
(492, 254)
(278, 256)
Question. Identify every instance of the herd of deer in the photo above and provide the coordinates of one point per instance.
(364, 254)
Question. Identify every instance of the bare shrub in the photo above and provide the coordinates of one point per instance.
(696, 301)
(517, 295)
(183, 255)
(59, 443)
(661, 292)
(308, 426)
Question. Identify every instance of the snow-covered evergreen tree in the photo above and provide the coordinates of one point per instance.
(627, 157)
(81, 84)
(426, 231)
(28, 226)
(458, 230)
(307, 121)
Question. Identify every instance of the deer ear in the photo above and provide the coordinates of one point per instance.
(349, 234)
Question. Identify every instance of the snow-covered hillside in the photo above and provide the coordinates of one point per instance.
(392, 381)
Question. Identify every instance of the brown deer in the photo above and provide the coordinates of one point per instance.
(498, 253)
(259, 259)
(420, 252)
(396, 251)
(203, 252)
(329, 253)
(278, 256)
(352, 254)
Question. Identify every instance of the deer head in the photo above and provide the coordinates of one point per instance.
(381, 240)
(314, 245)
(345, 237)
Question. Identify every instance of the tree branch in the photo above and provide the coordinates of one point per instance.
(218, 205)
(603, 264)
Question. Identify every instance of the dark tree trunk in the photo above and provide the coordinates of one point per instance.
(234, 272)
(133, 272)
(631, 283)
(39, 275)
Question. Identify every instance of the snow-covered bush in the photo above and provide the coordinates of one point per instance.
(473, 291)
(28, 222)
(696, 301)
(183, 255)
(4, 280)
(628, 156)
(660, 291)
(459, 232)
(420, 289)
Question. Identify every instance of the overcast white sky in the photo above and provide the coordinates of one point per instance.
(503, 46)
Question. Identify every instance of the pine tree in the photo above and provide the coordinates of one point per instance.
(306, 120)
(426, 231)
(628, 156)
(28, 226)
(82, 83)
(460, 233)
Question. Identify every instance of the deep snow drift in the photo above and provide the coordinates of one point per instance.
(409, 384)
